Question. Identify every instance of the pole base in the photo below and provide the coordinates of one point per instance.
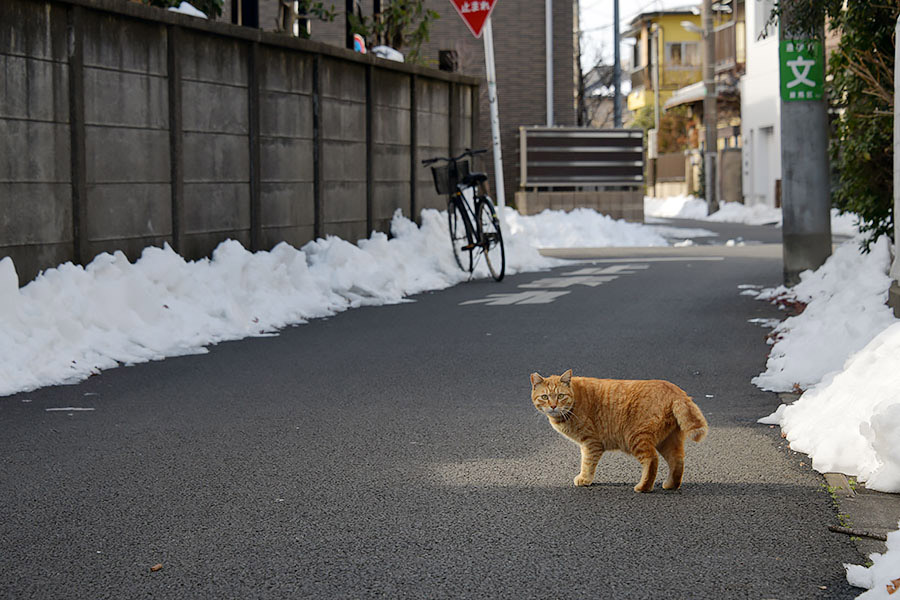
(894, 298)
(802, 252)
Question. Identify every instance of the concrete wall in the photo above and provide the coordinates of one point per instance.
(145, 127)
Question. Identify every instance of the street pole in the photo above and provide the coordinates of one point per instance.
(710, 118)
(348, 28)
(806, 198)
(654, 76)
(617, 69)
(548, 43)
(894, 294)
(495, 111)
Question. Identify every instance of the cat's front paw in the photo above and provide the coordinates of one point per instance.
(580, 480)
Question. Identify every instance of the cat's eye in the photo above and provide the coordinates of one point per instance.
(545, 397)
(561, 396)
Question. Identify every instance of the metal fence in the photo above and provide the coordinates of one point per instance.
(579, 157)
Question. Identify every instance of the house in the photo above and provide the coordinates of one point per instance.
(678, 171)
(761, 107)
(665, 53)
(520, 55)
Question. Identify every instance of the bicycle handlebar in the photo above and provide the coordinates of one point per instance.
(468, 152)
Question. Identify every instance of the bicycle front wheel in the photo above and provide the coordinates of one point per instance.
(491, 239)
(462, 247)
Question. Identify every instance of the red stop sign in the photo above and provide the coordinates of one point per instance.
(474, 13)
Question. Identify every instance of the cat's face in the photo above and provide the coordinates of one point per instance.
(552, 395)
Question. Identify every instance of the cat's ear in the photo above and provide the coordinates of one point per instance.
(536, 379)
(566, 377)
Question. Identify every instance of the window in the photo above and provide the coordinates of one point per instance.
(683, 54)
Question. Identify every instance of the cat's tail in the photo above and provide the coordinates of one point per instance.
(690, 419)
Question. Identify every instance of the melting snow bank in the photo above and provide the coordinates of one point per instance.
(845, 308)
(846, 346)
(850, 422)
(882, 579)
(690, 207)
(72, 321)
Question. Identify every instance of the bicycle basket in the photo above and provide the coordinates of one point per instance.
(448, 175)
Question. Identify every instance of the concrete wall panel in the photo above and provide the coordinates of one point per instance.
(214, 59)
(140, 100)
(352, 231)
(116, 155)
(214, 108)
(216, 207)
(124, 44)
(391, 163)
(215, 157)
(287, 204)
(286, 160)
(341, 202)
(34, 89)
(41, 154)
(35, 213)
(286, 71)
(130, 210)
(39, 32)
(285, 115)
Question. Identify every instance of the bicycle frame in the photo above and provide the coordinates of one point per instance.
(469, 211)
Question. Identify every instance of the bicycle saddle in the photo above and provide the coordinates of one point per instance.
(473, 179)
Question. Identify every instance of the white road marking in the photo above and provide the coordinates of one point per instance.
(562, 282)
(536, 297)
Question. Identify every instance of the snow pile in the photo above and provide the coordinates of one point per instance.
(883, 577)
(675, 207)
(690, 207)
(850, 422)
(845, 309)
(579, 228)
(73, 321)
(756, 214)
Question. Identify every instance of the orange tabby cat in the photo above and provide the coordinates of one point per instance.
(637, 417)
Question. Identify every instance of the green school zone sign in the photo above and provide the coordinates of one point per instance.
(802, 67)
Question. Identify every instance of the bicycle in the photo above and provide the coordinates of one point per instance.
(474, 226)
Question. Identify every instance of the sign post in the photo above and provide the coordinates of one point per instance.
(476, 14)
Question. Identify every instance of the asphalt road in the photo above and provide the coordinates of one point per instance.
(394, 452)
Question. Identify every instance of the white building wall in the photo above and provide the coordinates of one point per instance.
(760, 108)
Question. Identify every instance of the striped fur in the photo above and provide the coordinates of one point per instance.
(637, 417)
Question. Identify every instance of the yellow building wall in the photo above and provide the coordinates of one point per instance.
(671, 78)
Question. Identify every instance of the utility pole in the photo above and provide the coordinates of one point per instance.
(617, 69)
(710, 119)
(806, 198)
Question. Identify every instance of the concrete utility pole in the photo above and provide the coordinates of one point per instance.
(617, 69)
(710, 118)
(806, 198)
